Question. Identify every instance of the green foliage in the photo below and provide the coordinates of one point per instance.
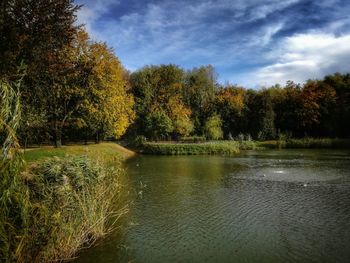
(193, 139)
(66, 211)
(159, 125)
(139, 141)
(214, 148)
(53, 208)
(221, 148)
(307, 143)
(212, 128)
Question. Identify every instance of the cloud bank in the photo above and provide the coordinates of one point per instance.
(250, 42)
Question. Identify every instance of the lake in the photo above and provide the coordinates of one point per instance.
(259, 206)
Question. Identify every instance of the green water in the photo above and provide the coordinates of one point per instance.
(267, 206)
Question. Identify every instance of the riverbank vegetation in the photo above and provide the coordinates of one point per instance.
(306, 143)
(209, 148)
(52, 208)
(58, 87)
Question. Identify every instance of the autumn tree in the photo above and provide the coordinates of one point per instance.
(158, 93)
(180, 116)
(107, 101)
(199, 94)
(229, 102)
(38, 33)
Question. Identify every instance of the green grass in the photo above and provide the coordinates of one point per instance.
(208, 148)
(234, 147)
(307, 143)
(101, 151)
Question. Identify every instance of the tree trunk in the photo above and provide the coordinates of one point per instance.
(58, 137)
(58, 142)
(97, 138)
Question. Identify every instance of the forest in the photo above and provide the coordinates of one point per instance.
(59, 86)
(75, 89)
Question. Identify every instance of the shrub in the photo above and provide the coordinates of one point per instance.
(139, 141)
(193, 139)
(72, 203)
(213, 129)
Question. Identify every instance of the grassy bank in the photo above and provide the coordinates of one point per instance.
(210, 148)
(307, 143)
(70, 197)
(234, 147)
(101, 151)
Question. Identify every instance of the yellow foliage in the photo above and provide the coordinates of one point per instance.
(108, 105)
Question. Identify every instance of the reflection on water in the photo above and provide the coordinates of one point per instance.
(268, 206)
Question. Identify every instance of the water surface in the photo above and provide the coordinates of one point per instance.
(266, 206)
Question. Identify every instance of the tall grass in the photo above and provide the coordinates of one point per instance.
(307, 143)
(74, 201)
(210, 148)
(51, 209)
(14, 204)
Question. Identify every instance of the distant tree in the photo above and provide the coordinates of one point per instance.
(341, 112)
(33, 127)
(180, 116)
(288, 110)
(158, 125)
(316, 98)
(259, 115)
(267, 122)
(199, 94)
(212, 127)
(229, 102)
(160, 87)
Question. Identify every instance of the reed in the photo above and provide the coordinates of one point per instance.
(74, 201)
(208, 148)
(53, 207)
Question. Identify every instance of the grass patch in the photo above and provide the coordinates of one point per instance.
(101, 151)
(307, 143)
(209, 148)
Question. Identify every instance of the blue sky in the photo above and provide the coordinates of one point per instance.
(252, 43)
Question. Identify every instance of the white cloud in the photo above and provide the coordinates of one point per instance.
(227, 34)
(304, 56)
(91, 11)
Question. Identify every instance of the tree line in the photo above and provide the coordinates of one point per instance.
(171, 102)
(75, 89)
(71, 87)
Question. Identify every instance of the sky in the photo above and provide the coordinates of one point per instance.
(252, 43)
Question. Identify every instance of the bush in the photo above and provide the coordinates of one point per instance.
(193, 139)
(317, 143)
(72, 203)
(139, 141)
